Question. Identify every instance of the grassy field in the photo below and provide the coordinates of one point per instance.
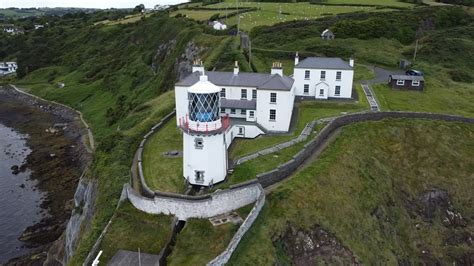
(441, 95)
(132, 230)
(269, 13)
(163, 173)
(372, 166)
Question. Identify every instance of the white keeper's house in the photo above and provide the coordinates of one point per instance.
(214, 107)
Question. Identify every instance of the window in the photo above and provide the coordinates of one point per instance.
(241, 131)
(251, 114)
(232, 111)
(323, 75)
(254, 94)
(222, 110)
(199, 176)
(306, 88)
(338, 75)
(273, 97)
(306, 74)
(223, 93)
(415, 83)
(242, 111)
(400, 82)
(321, 92)
(243, 94)
(337, 92)
(198, 143)
(273, 114)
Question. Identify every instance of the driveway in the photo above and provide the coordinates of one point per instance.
(381, 74)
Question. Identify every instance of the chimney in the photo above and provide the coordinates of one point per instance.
(277, 68)
(198, 66)
(236, 68)
(351, 62)
(297, 59)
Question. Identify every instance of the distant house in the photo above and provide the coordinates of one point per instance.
(7, 68)
(12, 29)
(406, 82)
(218, 25)
(327, 35)
(160, 7)
(38, 26)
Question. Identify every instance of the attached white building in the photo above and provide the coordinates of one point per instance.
(248, 105)
(7, 68)
(323, 77)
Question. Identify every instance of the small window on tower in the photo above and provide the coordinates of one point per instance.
(241, 131)
(198, 143)
(199, 176)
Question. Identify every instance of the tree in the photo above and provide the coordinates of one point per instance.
(139, 8)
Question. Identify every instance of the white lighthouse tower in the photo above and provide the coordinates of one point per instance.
(204, 147)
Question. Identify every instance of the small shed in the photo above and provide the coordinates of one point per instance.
(327, 34)
(405, 82)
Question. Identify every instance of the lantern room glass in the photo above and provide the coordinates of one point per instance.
(203, 107)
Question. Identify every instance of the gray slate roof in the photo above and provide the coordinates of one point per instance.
(324, 63)
(243, 79)
(239, 104)
(407, 77)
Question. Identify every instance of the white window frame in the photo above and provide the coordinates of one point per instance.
(222, 110)
(321, 92)
(254, 94)
(251, 114)
(271, 97)
(307, 74)
(232, 111)
(338, 73)
(400, 82)
(223, 92)
(274, 115)
(306, 88)
(415, 83)
(242, 111)
(336, 93)
(323, 75)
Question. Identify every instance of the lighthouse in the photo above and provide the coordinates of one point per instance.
(204, 142)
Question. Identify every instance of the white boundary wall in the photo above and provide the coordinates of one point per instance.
(218, 203)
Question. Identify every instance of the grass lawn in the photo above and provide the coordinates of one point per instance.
(308, 111)
(200, 242)
(394, 3)
(373, 166)
(163, 173)
(438, 97)
(132, 230)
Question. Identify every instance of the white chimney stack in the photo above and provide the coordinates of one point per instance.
(297, 59)
(277, 68)
(236, 68)
(198, 66)
(351, 62)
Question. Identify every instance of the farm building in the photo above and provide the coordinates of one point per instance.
(218, 25)
(406, 82)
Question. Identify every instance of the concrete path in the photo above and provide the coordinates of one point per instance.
(369, 94)
(381, 76)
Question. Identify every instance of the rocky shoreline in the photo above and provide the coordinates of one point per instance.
(58, 158)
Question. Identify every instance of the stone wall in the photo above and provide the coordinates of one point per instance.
(214, 204)
(281, 172)
(224, 257)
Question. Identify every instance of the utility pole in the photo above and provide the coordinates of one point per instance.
(416, 49)
(250, 53)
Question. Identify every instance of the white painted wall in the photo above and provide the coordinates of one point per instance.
(211, 158)
(346, 81)
(181, 102)
(284, 108)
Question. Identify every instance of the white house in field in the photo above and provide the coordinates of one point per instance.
(213, 108)
(323, 77)
(7, 68)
